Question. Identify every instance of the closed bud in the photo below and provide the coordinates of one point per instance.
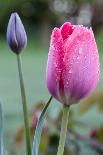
(16, 35)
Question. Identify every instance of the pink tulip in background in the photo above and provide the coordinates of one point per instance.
(73, 63)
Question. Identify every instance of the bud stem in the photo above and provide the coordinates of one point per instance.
(63, 130)
(24, 103)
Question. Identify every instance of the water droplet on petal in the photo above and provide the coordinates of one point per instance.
(78, 58)
(80, 51)
(73, 27)
(77, 41)
(71, 70)
(69, 38)
(67, 82)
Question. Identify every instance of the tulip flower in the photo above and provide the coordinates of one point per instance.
(17, 40)
(73, 63)
(16, 35)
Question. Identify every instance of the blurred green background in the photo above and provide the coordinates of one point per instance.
(39, 17)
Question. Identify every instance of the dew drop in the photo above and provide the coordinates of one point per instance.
(77, 41)
(69, 38)
(71, 70)
(73, 27)
(67, 82)
(78, 58)
(80, 51)
(55, 65)
(76, 62)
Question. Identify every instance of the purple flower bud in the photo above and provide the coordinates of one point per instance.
(16, 35)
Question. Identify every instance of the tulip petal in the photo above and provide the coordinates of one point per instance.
(81, 57)
(55, 63)
(66, 30)
(11, 37)
(20, 32)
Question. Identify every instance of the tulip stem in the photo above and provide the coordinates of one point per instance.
(63, 130)
(24, 104)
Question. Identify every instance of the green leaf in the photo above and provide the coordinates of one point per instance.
(38, 130)
(1, 131)
(95, 98)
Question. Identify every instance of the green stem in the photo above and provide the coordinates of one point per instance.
(63, 130)
(24, 103)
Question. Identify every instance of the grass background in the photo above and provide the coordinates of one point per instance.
(34, 59)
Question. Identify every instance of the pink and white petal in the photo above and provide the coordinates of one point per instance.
(81, 70)
(54, 63)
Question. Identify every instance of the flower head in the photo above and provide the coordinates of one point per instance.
(73, 63)
(16, 35)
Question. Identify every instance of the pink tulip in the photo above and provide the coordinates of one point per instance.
(73, 63)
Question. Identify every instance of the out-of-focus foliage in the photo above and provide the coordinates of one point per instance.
(51, 129)
(1, 132)
(95, 98)
(40, 16)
